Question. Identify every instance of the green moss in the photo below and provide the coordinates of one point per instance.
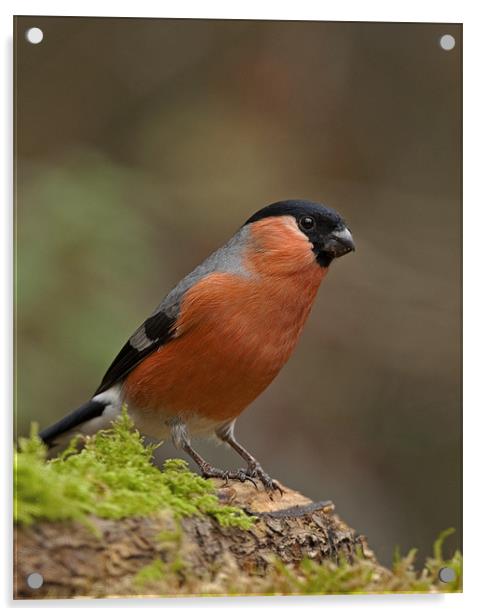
(111, 477)
(437, 562)
(151, 574)
(160, 571)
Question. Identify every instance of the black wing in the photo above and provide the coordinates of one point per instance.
(153, 333)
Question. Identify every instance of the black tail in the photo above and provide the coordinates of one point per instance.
(87, 411)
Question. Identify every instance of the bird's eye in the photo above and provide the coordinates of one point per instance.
(307, 223)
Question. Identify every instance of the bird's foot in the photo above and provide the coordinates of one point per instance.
(255, 471)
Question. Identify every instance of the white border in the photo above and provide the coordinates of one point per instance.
(355, 10)
(369, 10)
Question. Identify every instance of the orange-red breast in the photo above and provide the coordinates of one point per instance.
(220, 336)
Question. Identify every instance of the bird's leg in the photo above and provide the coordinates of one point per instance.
(180, 438)
(226, 434)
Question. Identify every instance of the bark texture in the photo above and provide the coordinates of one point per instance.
(75, 562)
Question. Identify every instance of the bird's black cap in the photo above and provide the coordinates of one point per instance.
(298, 208)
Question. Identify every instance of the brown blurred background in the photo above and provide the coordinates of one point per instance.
(143, 144)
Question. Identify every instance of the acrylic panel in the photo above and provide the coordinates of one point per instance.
(244, 233)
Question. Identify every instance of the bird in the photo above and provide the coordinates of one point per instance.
(219, 337)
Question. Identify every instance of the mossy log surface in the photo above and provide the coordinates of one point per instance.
(76, 562)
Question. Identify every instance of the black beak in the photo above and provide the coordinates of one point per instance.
(339, 243)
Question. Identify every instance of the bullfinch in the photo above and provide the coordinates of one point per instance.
(219, 338)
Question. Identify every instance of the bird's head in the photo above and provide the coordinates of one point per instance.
(301, 230)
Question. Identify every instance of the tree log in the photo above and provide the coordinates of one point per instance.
(192, 555)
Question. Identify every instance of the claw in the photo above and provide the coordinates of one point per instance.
(252, 481)
(242, 475)
(269, 484)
